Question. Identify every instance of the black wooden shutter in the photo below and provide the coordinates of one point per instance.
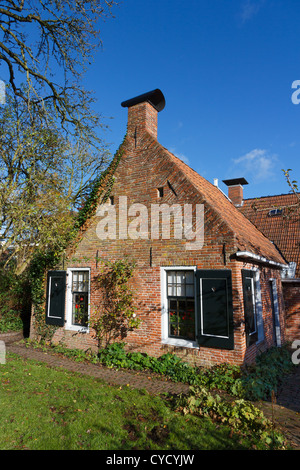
(56, 296)
(214, 307)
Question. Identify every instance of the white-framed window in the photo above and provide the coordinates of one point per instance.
(178, 299)
(78, 299)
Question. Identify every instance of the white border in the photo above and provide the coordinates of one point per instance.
(68, 324)
(164, 308)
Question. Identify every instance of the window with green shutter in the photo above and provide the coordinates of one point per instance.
(197, 309)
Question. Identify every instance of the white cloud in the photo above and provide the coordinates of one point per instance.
(181, 156)
(258, 164)
(249, 9)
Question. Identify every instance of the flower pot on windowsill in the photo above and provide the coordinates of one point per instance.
(11, 336)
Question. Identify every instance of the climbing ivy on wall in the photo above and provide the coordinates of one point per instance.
(47, 260)
(117, 315)
(92, 202)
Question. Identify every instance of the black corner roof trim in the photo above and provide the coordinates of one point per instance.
(154, 97)
(235, 181)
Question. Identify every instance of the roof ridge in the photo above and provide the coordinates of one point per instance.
(272, 195)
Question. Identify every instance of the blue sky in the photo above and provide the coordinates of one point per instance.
(226, 69)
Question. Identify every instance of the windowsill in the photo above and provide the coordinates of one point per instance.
(180, 343)
(78, 329)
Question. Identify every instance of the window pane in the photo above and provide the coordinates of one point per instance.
(74, 280)
(180, 277)
(80, 309)
(171, 277)
(182, 319)
(190, 290)
(80, 288)
(171, 290)
(180, 290)
(173, 318)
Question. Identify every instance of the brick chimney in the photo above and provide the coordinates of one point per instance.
(236, 190)
(142, 114)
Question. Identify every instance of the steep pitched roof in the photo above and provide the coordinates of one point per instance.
(278, 218)
(248, 237)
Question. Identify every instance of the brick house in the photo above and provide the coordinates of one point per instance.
(208, 282)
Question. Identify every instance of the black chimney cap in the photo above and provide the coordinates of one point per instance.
(235, 181)
(154, 97)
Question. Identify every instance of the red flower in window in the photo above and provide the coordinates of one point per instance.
(76, 306)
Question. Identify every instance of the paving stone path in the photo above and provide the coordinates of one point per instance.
(151, 382)
(285, 412)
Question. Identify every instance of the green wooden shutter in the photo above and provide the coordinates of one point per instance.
(214, 308)
(56, 296)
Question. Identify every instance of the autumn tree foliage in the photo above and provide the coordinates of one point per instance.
(44, 177)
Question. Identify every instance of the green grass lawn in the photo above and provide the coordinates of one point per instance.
(52, 409)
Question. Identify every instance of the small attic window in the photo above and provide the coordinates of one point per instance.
(274, 212)
(160, 192)
(111, 200)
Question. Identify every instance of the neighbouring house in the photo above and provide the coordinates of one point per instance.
(207, 280)
(278, 218)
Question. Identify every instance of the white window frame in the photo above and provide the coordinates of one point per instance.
(68, 325)
(164, 308)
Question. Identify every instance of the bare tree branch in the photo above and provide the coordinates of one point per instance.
(66, 34)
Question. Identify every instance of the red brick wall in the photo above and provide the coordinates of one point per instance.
(291, 293)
